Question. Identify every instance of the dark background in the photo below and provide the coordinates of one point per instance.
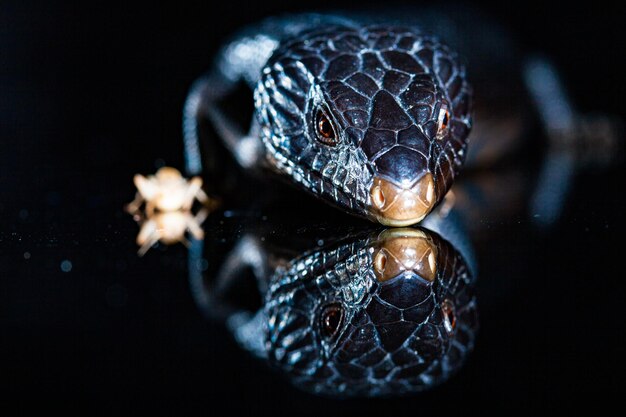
(91, 94)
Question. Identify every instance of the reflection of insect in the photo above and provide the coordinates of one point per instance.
(169, 227)
(168, 201)
(167, 190)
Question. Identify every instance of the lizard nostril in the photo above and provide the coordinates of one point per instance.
(378, 197)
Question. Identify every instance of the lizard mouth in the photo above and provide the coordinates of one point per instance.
(405, 250)
(394, 205)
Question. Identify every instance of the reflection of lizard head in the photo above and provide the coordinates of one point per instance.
(390, 314)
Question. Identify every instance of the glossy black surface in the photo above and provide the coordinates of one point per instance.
(376, 313)
(90, 96)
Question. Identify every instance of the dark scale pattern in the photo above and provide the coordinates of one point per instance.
(384, 87)
(392, 339)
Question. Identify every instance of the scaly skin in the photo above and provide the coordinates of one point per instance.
(392, 338)
(383, 87)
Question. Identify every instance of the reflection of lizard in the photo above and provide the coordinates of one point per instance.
(374, 313)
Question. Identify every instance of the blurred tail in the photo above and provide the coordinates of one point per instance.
(574, 141)
(191, 138)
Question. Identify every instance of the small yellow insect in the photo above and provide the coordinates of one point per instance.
(167, 190)
(168, 199)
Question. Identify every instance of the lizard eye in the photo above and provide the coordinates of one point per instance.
(324, 129)
(330, 320)
(443, 121)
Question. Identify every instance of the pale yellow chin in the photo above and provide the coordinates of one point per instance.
(385, 221)
(403, 250)
(397, 206)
